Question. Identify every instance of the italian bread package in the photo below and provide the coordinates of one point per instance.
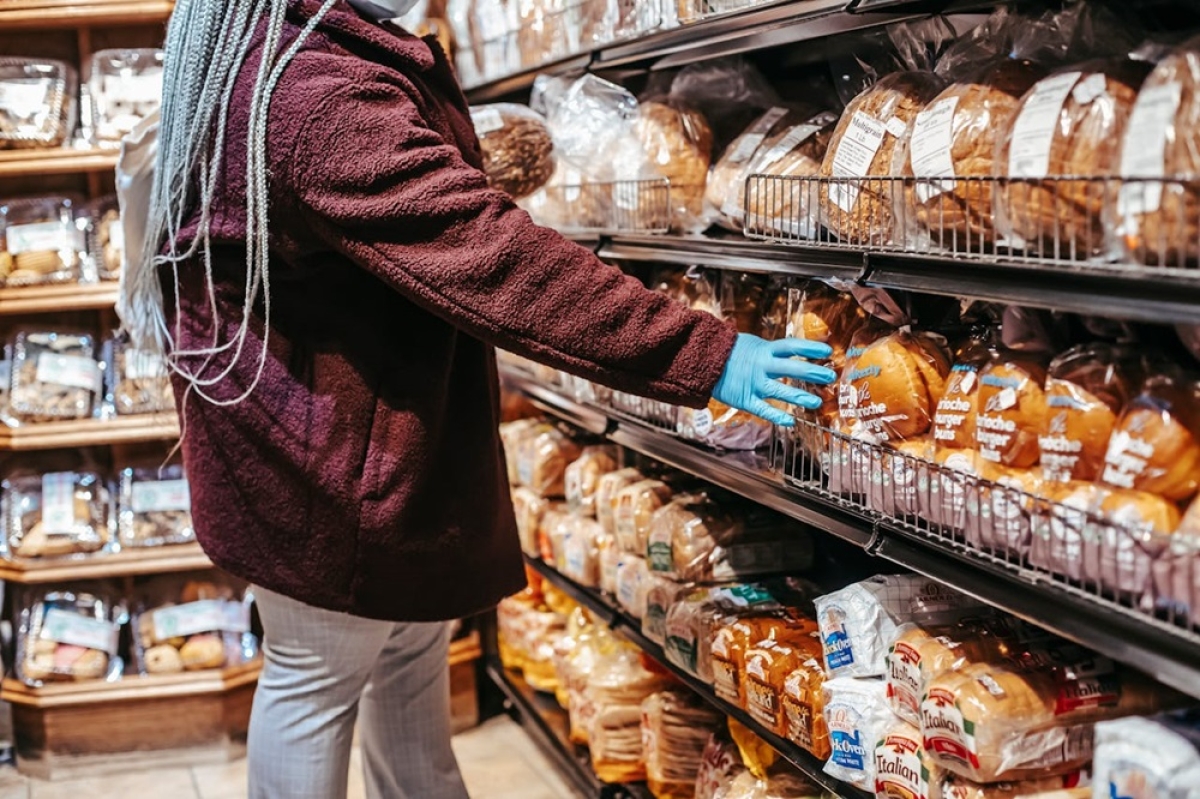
(951, 151)
(582, 478)
(768, 665)
(768, 207)
(859, 622)
(676, 726)
(1068, 786)
(1148, 757)
(1069, 124)
(857, 714)
(1158, 223)
(902, 769)
(1030, 718)
(860, 201)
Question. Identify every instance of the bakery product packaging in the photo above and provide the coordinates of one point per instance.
(136, 381)
(772, 198)
(581, 481)
(518, 153)
(902, 769)
(69, 635)
(634, 508)
(632, 583)
(542, 459)
(154, 507)
(737, 635)
(803, 709)
(607, 488)
(1130, 530)
(56, 514)
(55, 376)
(618, 686)
(191, 623)
(1068, 786)
(722, 193)
(105, 236)
(957, 408)
(891, 390)
(1154, 447)
(859, 201)
(859, 622)
(39, 109)
(660, 596)
(1148, 757)
(1062, 525)
(720, 763)
(580, 558)
(125, 86)
(1177, 570)
(40, 242)
(768, 663)
(857, 715)
(529, 509)
(677, 142)
(676, 727)
(1003, 512)
(1011, 410)
(691, 625)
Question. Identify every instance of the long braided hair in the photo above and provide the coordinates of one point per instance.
(207, 43)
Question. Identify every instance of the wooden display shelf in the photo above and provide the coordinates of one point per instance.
(153, 686)
(89, 433)
(52, 14)
(128, 563)
(58, 297)
(58, 161)
(465, 655)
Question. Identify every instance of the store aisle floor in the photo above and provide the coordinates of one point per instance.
(498, 762)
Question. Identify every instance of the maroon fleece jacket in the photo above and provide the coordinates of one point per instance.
(364, 473)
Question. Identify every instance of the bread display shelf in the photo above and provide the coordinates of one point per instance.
(61, 161)
(128, 563)
(89, 433)
(1168, 652)
(155, 686)
(56, 298)
(50, 14)
(548, 726)
(630, 629)
(466, 650)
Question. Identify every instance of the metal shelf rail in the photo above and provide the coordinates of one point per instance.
(1168, 653)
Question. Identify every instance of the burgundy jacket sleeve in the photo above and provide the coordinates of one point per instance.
(379, 185)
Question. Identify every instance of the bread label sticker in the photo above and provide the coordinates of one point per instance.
(946, 733)
(793, 139)
(194, 618)
(118, 91)
(702, 422)
(160, 496)
(899, 767)
(58, 504)
(855, 153)
(1144, 154)
(896, 127)
(1036, 124)
(930, 150)
(64, 627)
(846, 738)
(726, 680)
(486, 120)
(746, 146)
(1090, 88)
(659, 554)
(24, 98)
(72, 371)
(761, 701)
(835, 639)
(41, 237)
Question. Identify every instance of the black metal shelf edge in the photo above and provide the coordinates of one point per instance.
(630, 629)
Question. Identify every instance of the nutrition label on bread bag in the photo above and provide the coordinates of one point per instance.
(72, 629)
(855, 153)
(1153, 116)
(932, 142)
(1034, 129)
(58, 503)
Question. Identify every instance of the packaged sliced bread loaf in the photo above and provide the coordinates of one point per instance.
(857, 714)
(737, 636)
(582, 478)
(768, 665)
(1149, 757)
(678, 145)
(676, 726)
(803, 701)
(902, 769)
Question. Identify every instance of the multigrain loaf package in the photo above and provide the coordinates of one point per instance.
(902, 769)
(725, 192)
(518, 153)
(1149, 757)
(857, 715)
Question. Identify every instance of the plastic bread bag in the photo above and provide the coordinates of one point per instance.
(41, 241)
(902, 768)
(610, 565)
(552, 535)
(633, 583)
(787, 785)
(582, 478)
(1067, 786)
(592, 116)
(607, 489)
(593, 642)
(1069, 124)
(56, 514)
(691, 626)
(619, 684)
(1031, 717)
(729, 169)
(579, 626)
(518, 153)
(768, 202)
(1177, 570)
(1061, 526)
(720, 764)
(124, 87)
(137, 381)
(1002, 509)
(155, 507)
(729, 92)
(192, 624)
(69, 635)
(581, 550)
(694, 539)
(1011, 409)
(858, 623)
(857, 714)
(660, 596)
(677, 142)
(634, 508)
(1128, 532)
(529, 509)
(105, 236)
(676, 726)
(511, 436)
(542, 460)
(741, 631)
(37, 103)
(1148, 757)
(897, 482)
(803, 708)
(768, 664)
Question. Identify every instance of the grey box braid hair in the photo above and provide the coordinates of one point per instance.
(206, 49)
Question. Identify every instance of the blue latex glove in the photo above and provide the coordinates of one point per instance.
(755, 366)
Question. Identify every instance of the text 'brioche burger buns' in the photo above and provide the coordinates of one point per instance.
(891, 390)
(954, 419)
(1154, 446)
(1012, 408)
(866, 144)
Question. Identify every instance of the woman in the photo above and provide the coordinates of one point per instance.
(335, 373)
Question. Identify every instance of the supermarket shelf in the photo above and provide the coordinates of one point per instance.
(465, 650)
(520, 81)
(60, 161)
(630, 629)
(56, 298)
(1168, 653)
(89, 433)
(1135, 293)
(51, 14)
(127, 563)
(548, 726)
(158, 686)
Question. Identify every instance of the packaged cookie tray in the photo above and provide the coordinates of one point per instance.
(70, 635)
(55, 377)
(191, 625)
(105, 236)
(138, 382)
(124, 87)
(41, 242)
(56, 514)
(155, 507)
(37, 103)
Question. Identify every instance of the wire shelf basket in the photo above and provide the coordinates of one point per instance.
(689, 11)
(1103, 223)
(620, 206)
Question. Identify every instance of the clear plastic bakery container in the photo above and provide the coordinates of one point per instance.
(155, 507)
(101, 221)
(40, 241)
(55, 376)
(138, 381)
(70, 635)
(56, 514)
(37, 103)
(124, 87)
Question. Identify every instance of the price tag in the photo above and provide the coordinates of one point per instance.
(64, 627)
(157, 496)
(24, 98)
(855, 154)
(145, 88)
(39, 237)
(1152, 118)
(932, 142)
(58, 503)
(73, 371)
(486, 120)
(205, 616)
(896, 127)
(1033, 132)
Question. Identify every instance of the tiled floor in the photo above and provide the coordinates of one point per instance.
(498, 761)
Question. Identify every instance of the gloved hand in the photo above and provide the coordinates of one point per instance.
(752, 374)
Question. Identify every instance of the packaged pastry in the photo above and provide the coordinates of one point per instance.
(1086, 388)
(619, 684)
(859, 622)
(890, 392)
(155, 507)
(607, 489)
(529, 509)
(951, 151)
(1002, 516)
(768, 664)
(138, 381)
(581, 550)
(1148, 757)
(633, 583)
(518, 153)
(1130, 530)
(1154, 446)
(859, 203)
(902, 768)
(678, 143)
(105, 236)
(37, 102)
(804, 708)
(125, 87)
(1012, 410)
(661, 594)
(54, 376)
(768, 207)
(542, 460)
(720, 763)
(69, 635)
(857, 714)
(1030, 717)
(582, 478)
(694, 539)
(191, 624)
(58, 513)
(1067, 786)
(676, 726)
(1068, 124)
(41, 242)
(634, 511)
